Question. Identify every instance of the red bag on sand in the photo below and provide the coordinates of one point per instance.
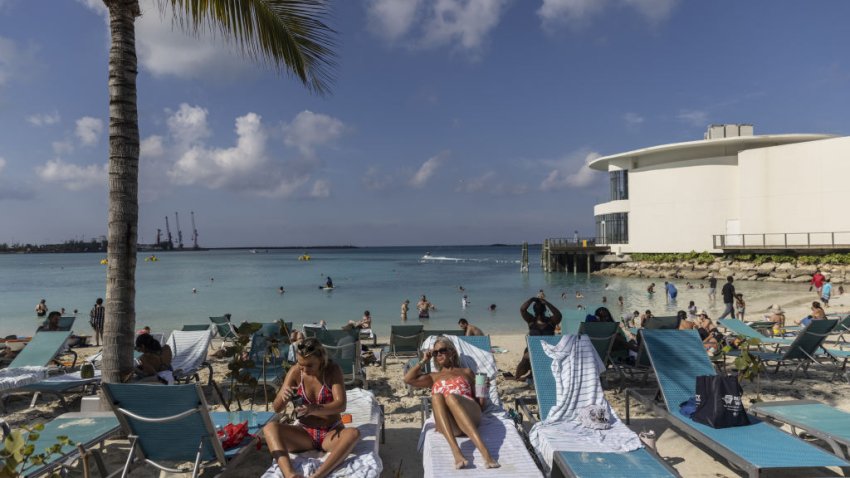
(233, 434)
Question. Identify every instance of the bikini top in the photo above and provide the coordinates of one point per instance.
(325, 393)
(458, 385)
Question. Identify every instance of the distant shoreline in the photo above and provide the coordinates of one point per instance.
(146, 248)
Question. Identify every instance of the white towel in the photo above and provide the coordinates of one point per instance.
(576, 367)
(502, 439)
(189, 349)
(477, 360)
(11, 378)
(364, 460)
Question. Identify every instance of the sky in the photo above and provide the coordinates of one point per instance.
(449, 121)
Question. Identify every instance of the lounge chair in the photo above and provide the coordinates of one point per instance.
(583, 459)
(224, 328)
(344, 348)
(365, 460)
(815, 418)
(30, 366)
(194, 327)
(404, 342)
(189, 354)
(602, 336)
(664, 322)
(742, 329)
(678, 357)
(571, 321)
(842, 328)
(269, 367)
(803, 350)
(64, 325)
(173, 425)
(498, 431)
(312, 330)
(84, 429)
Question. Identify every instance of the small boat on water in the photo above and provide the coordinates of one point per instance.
(304, 257)
(253, 251)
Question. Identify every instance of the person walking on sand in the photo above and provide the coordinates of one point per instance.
(405, 306)
(728, 293)
(96, 317)
(817, 282)
(41, 308)
(826, 292)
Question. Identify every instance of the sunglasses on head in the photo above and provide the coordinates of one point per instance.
(306, 349)
(442, 351)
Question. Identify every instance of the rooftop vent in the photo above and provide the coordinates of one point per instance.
(717, 131)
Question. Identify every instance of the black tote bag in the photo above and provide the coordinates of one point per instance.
(719, 402)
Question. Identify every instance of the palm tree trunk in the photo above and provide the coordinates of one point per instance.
(123, 219)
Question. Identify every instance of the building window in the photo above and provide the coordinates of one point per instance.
(619, 185)
(612, 228)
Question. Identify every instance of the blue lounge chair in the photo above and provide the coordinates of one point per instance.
(740, 328)
(30, 366)
(572, 320)
(194, 327)
(678, 357)
(172, 424)
(639, 463)
(815, 418)
(804, 350)
(224, 328)
(84, 429)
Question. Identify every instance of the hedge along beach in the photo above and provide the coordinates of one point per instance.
(247, 286)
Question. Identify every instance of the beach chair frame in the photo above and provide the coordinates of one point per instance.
(659, 403)
(136, 453)
(411, 337)
(803, 350)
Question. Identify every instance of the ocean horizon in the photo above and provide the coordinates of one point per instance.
(377, 279)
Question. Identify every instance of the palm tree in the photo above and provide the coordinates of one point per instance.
(288, 35)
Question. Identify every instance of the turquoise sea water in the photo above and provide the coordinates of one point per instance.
(377, 279)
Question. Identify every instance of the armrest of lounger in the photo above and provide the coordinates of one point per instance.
(425, 407)
(522, 404)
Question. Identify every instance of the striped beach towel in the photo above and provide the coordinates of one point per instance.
(364, 460)
(11, 378)
(576, 367)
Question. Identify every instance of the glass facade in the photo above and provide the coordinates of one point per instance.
(612, 228)
(619, 185)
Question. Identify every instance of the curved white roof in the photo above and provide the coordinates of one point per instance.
(707, 148)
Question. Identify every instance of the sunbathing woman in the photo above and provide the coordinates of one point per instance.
(154, 358)
(457, 411)
(317, 382)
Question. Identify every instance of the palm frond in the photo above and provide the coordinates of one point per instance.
(288, 35)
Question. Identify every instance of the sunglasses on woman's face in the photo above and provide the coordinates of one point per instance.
(442, 351)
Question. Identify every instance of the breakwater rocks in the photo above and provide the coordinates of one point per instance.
(740, 270)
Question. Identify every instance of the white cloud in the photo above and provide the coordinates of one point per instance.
(321, 189)
(43, 119)
(694, 117)
(571, 171)
(633, 119)
(17, 62)
(427, 170)
(655, 11)
(2, 164)
(62, 148)
(73, 176)
(392, 19)
(249, 165)
(461, 24)
(89, 130)
(151, 147)
(164, 49)
(309, 130)
(579, 12)
(188, 125)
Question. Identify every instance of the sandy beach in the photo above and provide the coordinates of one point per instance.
(402, 412)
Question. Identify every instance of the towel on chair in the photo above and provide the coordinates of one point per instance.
(576, 367)
(477, 360)
(15, 377)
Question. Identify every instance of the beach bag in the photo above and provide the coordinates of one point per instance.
(719, 402)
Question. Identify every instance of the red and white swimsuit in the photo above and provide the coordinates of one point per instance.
(456, 385)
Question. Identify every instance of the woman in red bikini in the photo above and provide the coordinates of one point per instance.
(319, 383)
(457, 411)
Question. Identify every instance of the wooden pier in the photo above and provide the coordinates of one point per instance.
(571, 255)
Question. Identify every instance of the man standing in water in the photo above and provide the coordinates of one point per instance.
(41, 308)
(405, 306)
(728, 293)
(712, 287)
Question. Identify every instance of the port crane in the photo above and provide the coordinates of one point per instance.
(170, 244)
(179, 232)
(194, 232)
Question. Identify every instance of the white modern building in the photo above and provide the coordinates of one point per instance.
(732, 189)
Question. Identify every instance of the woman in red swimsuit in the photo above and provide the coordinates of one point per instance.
(319, 382)
(457, 411)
